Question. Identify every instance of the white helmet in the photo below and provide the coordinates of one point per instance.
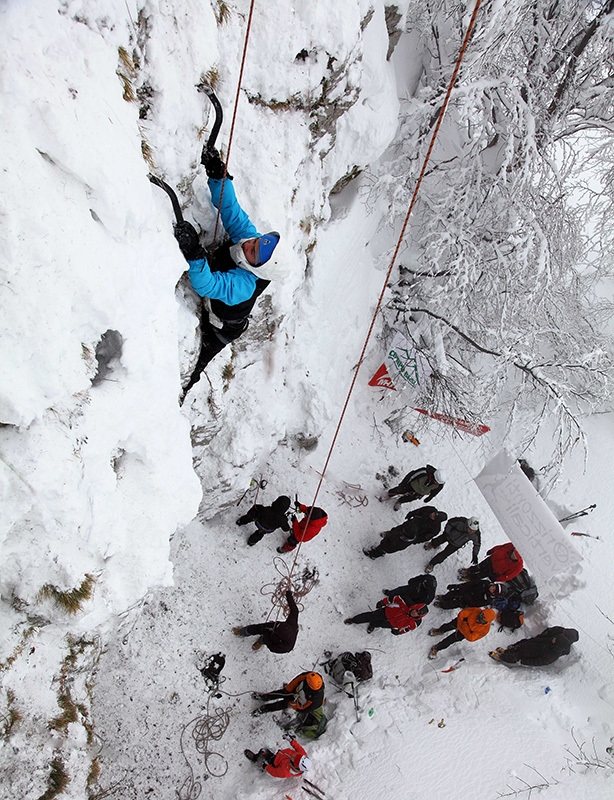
(304, 764)
(440, 476)
(473, 523)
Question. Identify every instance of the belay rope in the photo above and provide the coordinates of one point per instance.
(412, 203)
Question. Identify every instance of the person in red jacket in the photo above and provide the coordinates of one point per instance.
(470, 624)
(288, 763)
(305, 529)
(504, 562)
(392, 613)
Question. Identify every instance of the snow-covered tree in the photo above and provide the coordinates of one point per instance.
(500, 273)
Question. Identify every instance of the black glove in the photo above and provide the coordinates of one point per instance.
(213, 164)
(395, 632)
(379, 604)
(188, 241)
(288, 737)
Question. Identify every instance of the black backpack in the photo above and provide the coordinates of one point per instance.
(524, 588)
(510, 618)
(357, 663)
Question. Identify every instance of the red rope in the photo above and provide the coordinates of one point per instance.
(395, 254)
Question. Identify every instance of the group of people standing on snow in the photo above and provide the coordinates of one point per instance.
(486, 587)
(484, 590)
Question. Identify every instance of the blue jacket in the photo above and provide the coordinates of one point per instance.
(236, 285)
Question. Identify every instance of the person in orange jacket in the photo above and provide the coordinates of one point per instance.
(305, 529)
(393, 613)
(504, 562)
(288, 763)
(470, 624)
(305, 692)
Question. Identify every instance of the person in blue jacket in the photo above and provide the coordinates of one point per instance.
(231, 277)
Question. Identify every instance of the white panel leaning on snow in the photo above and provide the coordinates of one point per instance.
(526, 519)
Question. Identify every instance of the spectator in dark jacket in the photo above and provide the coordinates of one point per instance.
(420, 525)
(425, 482)
(473, 593)
(267, 518)
(305, 529)
(304, 693)
(279, 637)
(456, 534)
(504, 562)
(420, 589)
(541, 650)
(395, 614)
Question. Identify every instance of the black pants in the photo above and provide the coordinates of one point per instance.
(376, 618)
(449, 640)
(258, 629)
(407, 495)
(481, 570)
(275, 701)
(445, 553)
(212, 341)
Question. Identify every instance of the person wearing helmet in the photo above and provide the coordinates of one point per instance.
(425, 482)
(456, 534)
(231, 277)
(304, 693)
(290, 762)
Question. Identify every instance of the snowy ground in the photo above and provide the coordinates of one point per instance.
(98, 479)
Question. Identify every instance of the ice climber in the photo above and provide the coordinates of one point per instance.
(394, 614)
(232, 277)
(425, 482)
(267, 518)
(287, 763)
(305, 529)
(279, 637)
(304, 693)
(543, 649)
(420, 525)
(470, 624)
(456, 534)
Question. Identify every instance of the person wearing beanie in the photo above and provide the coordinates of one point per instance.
(419, 589)
(304, 693)
(539, 651)
(230, 277)
(470, 624)
(456, 534)
(267, 518)
(473, 593)
(425, 482)
(290, 762)
(392, 613)
(420, 525)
